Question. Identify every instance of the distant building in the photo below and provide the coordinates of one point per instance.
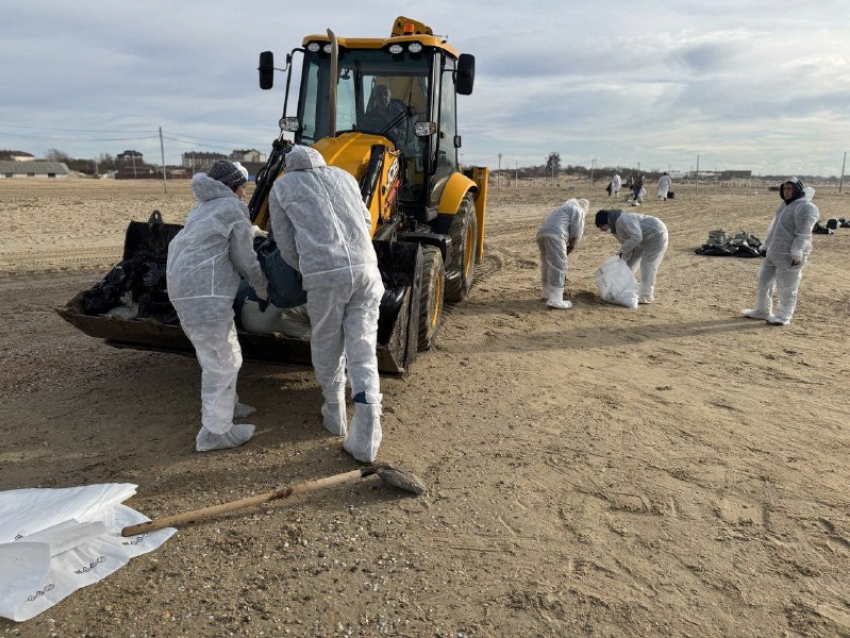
(20, 156)
(727, 175)
(248, 155)
(201, 161)
(130, 157)
(33, 168)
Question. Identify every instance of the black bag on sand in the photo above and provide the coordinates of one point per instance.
(832, 223)
(820, 229)
(671, 195)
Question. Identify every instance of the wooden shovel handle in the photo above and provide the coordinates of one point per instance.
(232, 506)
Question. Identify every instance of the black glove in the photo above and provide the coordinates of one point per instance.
(264, 304)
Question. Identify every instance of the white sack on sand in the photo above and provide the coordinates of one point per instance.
(55, 541)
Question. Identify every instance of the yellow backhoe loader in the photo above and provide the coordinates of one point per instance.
(385, 111)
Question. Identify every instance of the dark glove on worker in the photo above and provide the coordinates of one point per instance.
(263, 303)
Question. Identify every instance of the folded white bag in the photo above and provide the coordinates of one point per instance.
(55, 541)
(617, 283)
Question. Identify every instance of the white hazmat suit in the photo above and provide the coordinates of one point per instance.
(643, 241)
(558, 235)
(616, 184)
(205, 261)
(664, 186)
(788, 243)
(323, 229)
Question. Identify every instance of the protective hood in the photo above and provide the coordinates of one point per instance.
(303, 157)
(206, 188)
(613, 216)
(799, 189)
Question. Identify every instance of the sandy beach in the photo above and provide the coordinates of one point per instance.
(674, 470)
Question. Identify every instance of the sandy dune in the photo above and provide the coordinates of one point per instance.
(670, 471)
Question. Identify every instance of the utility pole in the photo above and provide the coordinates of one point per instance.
(96, 173)
(516, 176)
(499, 175)
(133, 157)
(162, 151)
(841, 181)
(592, 168)
(697, 171)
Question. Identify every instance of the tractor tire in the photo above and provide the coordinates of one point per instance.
(464, 236)
(431, 296)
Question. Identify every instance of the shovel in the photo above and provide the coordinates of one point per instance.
(390, 475)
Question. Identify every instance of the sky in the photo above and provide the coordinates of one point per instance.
(757, 85)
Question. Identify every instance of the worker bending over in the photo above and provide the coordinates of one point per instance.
(205, 261)
(558, 236)
(323, 229)
(643, 240)
(788, 244)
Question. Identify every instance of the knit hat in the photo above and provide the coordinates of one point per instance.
(228, 174)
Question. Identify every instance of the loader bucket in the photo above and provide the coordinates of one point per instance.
(399, 263)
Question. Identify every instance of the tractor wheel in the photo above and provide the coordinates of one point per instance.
(464, 236)
(431, 297)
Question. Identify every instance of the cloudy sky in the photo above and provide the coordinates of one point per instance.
(761, 85)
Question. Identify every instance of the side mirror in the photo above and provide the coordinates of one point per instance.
(266, 70)
(458, 142)
(465, 74)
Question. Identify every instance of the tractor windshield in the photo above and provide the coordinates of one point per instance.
(377, 92)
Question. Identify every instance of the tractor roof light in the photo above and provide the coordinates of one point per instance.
(395, 49)
(313, 47)
(415, 47)
(424, 129)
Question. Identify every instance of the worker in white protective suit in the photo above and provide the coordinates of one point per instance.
(616, 184)
(788, 244)
(558, 236)
(664, 183)
(205, 261)
(323, 229)
(643, 241)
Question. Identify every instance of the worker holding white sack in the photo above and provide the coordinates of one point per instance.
(664, 183)
(205, 261)
(323, 230)
(788, 244)
(643, 241)
(558, 236)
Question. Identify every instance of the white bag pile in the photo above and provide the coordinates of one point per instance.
(617, 283)
(56, 541)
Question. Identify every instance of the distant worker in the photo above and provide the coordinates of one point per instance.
(788, 244)
(558, 236)
(616, 185)
(323, 230)
(643, 240)
(664, 183)
(205, 261)
(637, 189)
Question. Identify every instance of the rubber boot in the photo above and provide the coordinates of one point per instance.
(364, 435)
(207, 441)
(754, 313)
(556, 299)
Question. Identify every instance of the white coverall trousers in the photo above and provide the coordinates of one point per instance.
(649, 255)
(553, 262)
(344, 321)
(777, 274)
(217, 348)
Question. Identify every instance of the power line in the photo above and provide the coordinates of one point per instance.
(77, 130)
(77, 139)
